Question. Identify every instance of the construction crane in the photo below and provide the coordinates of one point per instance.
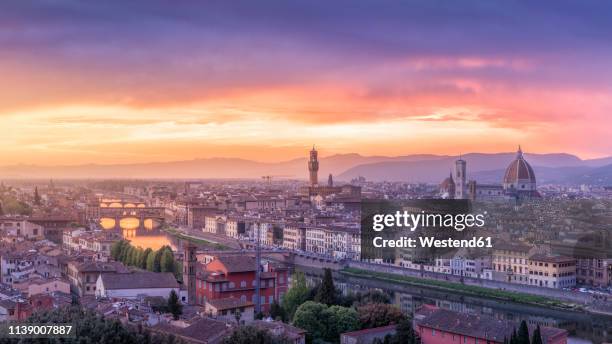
(268, 179)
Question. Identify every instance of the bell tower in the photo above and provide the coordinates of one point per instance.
(189, 272)
(460, 179)
(313, 167)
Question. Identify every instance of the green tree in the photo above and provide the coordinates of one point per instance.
(339, 320)
(523, 333)
(325, 323)
(151, 261)
(131, 255)
(404, 334)
(327, 292)
(372, 296)
(537, 336)
(93, 328)
(277, 312)
(167, 261)
(296, 295)
(125, 250)
(174, 305)
(310, 317)
(254, 335)
(116, 249)
(142, 263)
(379, 314)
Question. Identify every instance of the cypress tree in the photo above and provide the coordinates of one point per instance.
(327, 292)
(537, 336)
(523, 333)
(142, 263)
(167, 261)
(174, 306)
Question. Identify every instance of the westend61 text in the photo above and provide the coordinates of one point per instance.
(405, 242)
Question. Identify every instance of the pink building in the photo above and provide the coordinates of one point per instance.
(441, 326)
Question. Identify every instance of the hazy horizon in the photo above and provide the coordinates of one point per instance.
(305, 156)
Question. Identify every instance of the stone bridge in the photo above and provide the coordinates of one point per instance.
(131, 217)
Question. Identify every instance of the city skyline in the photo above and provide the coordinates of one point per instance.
(111, 83)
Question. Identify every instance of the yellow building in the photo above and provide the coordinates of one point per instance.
(510, 262)
(552, 271)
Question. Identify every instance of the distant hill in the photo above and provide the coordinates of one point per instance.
(486, 168)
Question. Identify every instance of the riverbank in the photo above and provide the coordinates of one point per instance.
(195, 240)
(464, 289)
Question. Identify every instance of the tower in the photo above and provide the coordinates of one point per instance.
(460, 179)
(189, 272)
(330, 180)
(313, 167)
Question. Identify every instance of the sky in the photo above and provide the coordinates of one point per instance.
(139, 81)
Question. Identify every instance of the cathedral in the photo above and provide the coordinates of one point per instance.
(519, 182)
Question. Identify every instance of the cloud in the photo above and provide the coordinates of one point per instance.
(230, 70)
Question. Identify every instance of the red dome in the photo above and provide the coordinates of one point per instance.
(519, 170)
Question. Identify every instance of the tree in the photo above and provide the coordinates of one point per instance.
(309, 316)
(339, 320)
(379, 314)
(167, 261)
(325, 323)
(36, 196)
(174, 305)
(277, 312)
(373, 296)
(254, 335)
(131, 255)
(514, 337)
(151, 261)
(537, 336)
(523, 333)
(404, 334)
(125, 250)
(142, 262)
(116, 249)
(295, 296)
(157, 261)
(327, 292)
(93, 328)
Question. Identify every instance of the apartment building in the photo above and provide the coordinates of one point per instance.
(511, 262)
(552, 271)
(294, 236)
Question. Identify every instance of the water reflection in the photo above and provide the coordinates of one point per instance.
(129, 223)
(147, 235)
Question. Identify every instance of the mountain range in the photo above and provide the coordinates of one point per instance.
(429, 168)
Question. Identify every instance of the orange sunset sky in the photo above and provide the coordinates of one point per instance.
(117, 82)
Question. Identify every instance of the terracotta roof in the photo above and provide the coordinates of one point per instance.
(202, 331)
(519, 169)
(139, 280)
(229, 303)
(479, 326)
(551, 259)
(242, 263)
(381, 330)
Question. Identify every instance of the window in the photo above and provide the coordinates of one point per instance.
(243, 284)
